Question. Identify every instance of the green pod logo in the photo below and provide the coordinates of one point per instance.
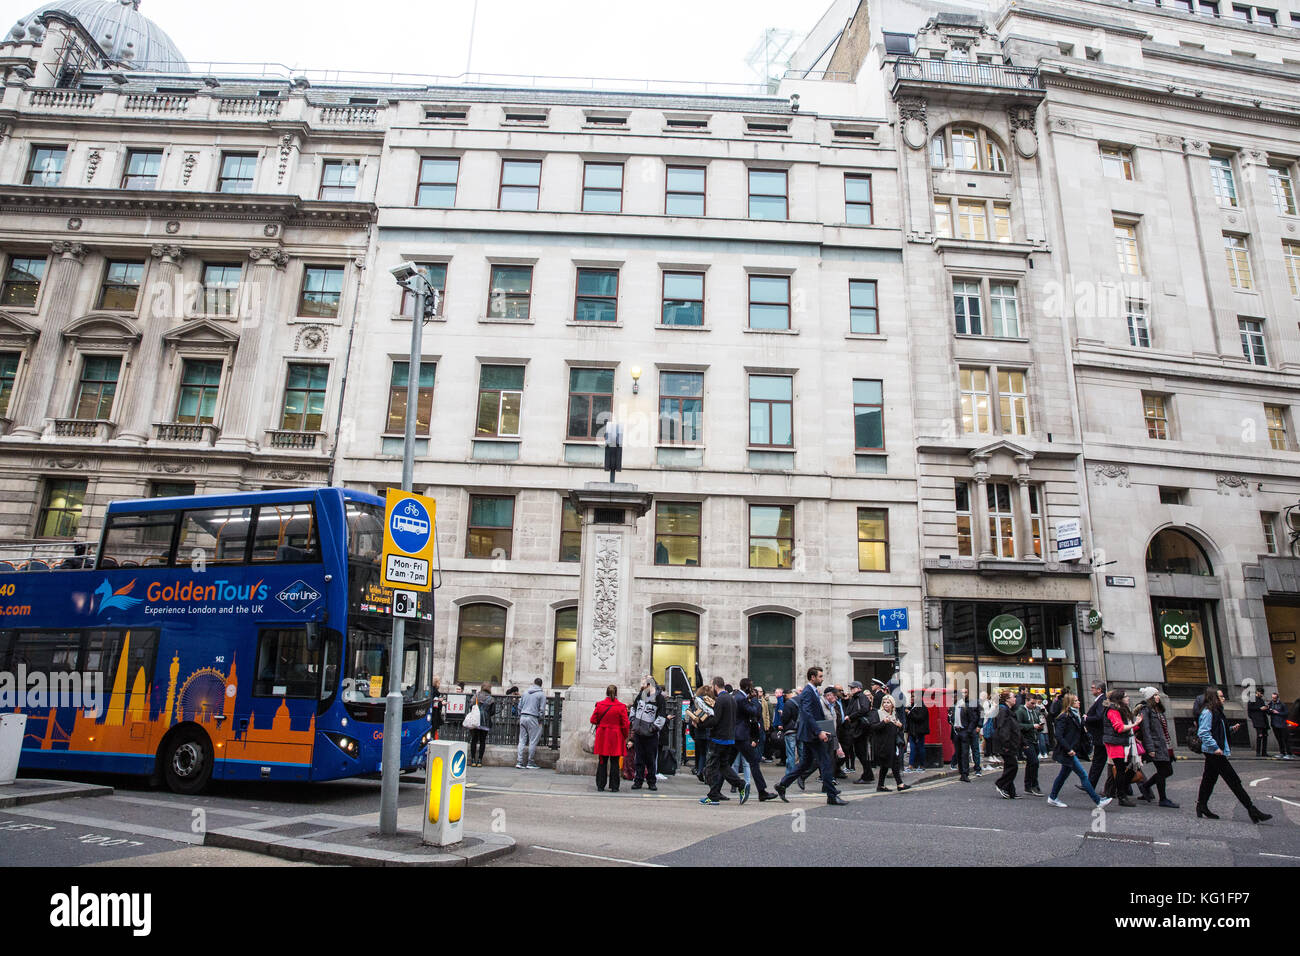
(1175, 629)
(1007, 634)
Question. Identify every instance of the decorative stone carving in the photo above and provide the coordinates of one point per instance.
(1104, 474)
(359, 262)
(911, 111)
(311, 338)
(270, 230)
(1195, 147)
(92, 164)
(78, 464)
(191, 160)
(69, 250)
(276, 257)
(1240, 482)
(604, 624)
(173, 227)
(287, 144)
(287, 475)
(167, 252)
(170, 469)
(74, 223)
(1024, 130)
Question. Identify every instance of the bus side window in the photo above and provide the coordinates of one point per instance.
(6, 647)
(287, 664)
(220, 533)
(48, 652)
(286, 533)
(134, 540)
(330, 650)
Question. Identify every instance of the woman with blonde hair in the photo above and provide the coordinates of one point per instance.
(1070, 740)
(885, 728)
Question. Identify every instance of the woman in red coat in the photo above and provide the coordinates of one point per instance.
(612, 740)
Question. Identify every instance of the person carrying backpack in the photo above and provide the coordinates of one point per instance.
(648, 716)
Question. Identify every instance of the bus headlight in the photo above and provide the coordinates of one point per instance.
(345, 744)
(424, 741)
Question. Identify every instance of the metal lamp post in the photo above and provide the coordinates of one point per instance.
(416, 282)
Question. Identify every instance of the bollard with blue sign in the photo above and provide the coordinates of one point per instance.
(446, 775)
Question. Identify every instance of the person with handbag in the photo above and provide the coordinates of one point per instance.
(1117, 726)
(1071, 740)
(815, 742)
(885, 729)
(1212, 730)
(612, 741)
(1153, 732)
(478, 721)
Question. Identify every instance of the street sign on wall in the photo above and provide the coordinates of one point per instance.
(1069, 540)
(408, 541)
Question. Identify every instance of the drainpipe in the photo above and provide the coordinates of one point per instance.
(347, 356)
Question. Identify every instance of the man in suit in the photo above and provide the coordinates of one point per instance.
(1092, 724)
(749, 716)
(722, 747)
(816, 747)
(964, 719)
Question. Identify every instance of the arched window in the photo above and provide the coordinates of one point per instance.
(481, 644)
(966, 147)
(675, 639)
(566, 647)
(771, 651)
(1176, 552)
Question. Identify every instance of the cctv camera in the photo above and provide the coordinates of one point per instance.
(404, 273)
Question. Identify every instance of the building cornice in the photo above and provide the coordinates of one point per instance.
(1049, 15)
(1183, 368)
(1206, 58)
(1167, 92)
(289, 210)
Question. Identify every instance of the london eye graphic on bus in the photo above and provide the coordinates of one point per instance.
(410, 526)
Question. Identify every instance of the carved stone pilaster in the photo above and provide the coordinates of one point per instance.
(269, 256)
(69, 250)
(169, 253)
(604, 624)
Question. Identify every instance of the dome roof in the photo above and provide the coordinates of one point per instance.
(127, 36)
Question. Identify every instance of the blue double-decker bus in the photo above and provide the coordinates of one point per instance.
(234, 637)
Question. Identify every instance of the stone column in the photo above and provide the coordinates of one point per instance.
(258, 321)
(609, 516)
(43, 362)
(1024, 532)
(981, 546)
(161, 308)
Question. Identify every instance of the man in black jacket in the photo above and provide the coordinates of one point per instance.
(856, 709)
(1257, 711)
(749, 718)
(1007, 742)
(1092, 724)
(722, 747)
(918, 728)
(964, 719)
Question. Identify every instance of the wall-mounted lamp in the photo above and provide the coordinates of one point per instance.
(636, 379)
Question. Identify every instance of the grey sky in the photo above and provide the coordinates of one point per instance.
(668, 39)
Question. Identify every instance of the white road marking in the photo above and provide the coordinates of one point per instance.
(1259, 780)
(173, 804)
(593, 856)
(1289, 803)
(1281, 856)
(98, 823)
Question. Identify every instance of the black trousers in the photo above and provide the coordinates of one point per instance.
(1261, 741)
(718, 768)
(1118, 785)
(961, 745)
(607, 772)
(701, 755)
(862, 751)
(1007, 781)
(1030, 753)
(477, 745)
(750, 753)
(1164, 770)
(885, 771)
(814, 752)
(1216, 766)
(647, 757)
(1283, 736)
(1099, 762)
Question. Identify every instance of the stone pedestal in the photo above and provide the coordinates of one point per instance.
(609, 515)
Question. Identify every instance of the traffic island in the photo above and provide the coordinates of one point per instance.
(32, 790)
(342, 841)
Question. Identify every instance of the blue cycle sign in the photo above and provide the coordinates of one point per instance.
(409, 524)
(893, 619)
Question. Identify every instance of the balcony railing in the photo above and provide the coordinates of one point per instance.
(349, 115)
(63, 99)
(296, 441)
(83, 428)
(157, 102)
(248, 106)
(912, 69)
(185, 433)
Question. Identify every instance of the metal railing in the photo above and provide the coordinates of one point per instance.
(54, 556)
(910, 69)
(82, 428)
(505, 723)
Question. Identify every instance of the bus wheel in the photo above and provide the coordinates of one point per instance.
(187, 763)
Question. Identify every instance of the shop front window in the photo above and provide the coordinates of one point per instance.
(1046, 662)
(1185, 634)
